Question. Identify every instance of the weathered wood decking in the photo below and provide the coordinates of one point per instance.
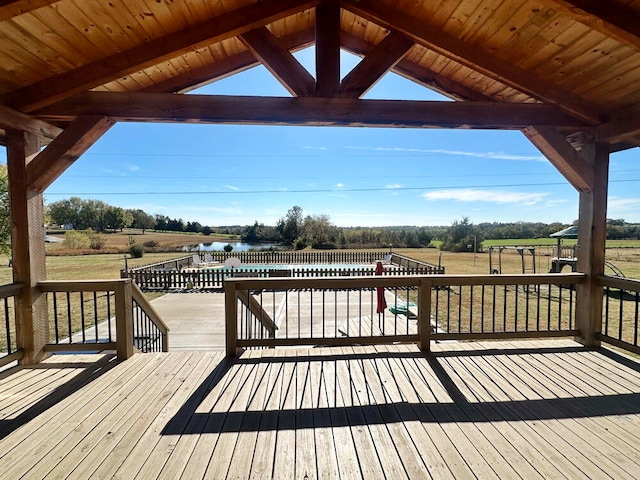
(487, 410)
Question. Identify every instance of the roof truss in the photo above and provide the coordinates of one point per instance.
(151, 107)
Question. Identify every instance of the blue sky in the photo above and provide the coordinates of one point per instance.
(228, 175)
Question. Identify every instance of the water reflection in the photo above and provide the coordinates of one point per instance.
(237, 246)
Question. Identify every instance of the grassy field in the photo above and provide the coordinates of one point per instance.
(119, 242)
(62, 265)
(626, 258)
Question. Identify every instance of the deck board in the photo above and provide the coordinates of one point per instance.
(544, 409)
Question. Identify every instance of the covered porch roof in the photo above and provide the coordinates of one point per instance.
(564, 72)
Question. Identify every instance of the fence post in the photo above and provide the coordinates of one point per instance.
(231, 317)
(124, 319)
(424, 314)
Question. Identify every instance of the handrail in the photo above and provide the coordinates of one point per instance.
(406, 280)
(256, 309)
(9, 332)
(120, 297)
(153, 315)
(10, 290)
(541, 305)
(621, 313)
(79, 285)
(619, 282)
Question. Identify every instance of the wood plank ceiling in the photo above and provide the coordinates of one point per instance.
(569, 64)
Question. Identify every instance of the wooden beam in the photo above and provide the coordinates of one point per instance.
(13, 8)
(60, 154)
(609, 18)
(592, 234)
(161, 107)
(86, 77)
(229, 66)
(328, 48)
(375, 65)
(209, 73)
(416, 73)
(27, 248)
(562, 155)
(475, 58)
(282, 65)
(13, 119)
(619, 129)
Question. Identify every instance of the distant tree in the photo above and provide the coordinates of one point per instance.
(67, 212)
(253, 233)
(461, 237)
(5, 221)
(290, 227)
(175, 225)
(320, 232)
(207, 230)
(116, 218)
(162, 222)
(142, 220)
(193, 227)
(228, 248)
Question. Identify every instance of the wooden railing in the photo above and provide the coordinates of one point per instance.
(203, 270)
(621, 313)
(214, 278)
(9, 351)
(102, 315)
(419, 308)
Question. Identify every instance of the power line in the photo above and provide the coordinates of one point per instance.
(325, 190)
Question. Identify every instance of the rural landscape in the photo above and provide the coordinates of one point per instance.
(97, 239)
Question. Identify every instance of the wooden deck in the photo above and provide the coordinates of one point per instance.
(486, 410)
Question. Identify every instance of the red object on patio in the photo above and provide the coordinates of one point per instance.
(382, 303)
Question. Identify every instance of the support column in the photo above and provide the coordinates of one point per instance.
(28, 248)
(592, 236)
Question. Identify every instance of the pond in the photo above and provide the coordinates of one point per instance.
(237, 246)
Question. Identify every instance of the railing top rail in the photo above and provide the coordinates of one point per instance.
(404, 281)
(10, 289)
(80, 285)
(620, 282)
(155, 264)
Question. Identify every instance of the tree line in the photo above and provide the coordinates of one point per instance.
(79, 214)
(299, 230)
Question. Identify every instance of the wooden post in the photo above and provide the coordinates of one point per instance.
(424, 315)
(28, 248)
(231, 317)
(124, 319)
(591, 245)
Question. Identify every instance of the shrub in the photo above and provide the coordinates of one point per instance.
(228, 247)
(74, 240)
(136, 250)
(324, 245)
(300, 244)
(97, 241)
(151, 244)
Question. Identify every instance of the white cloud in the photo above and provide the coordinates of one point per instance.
(393, 186)
(619, 207)
(491, 196)
(231, 187)
(339, 185)
(458, 153)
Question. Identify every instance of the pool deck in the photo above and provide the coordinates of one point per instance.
(195, 319)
